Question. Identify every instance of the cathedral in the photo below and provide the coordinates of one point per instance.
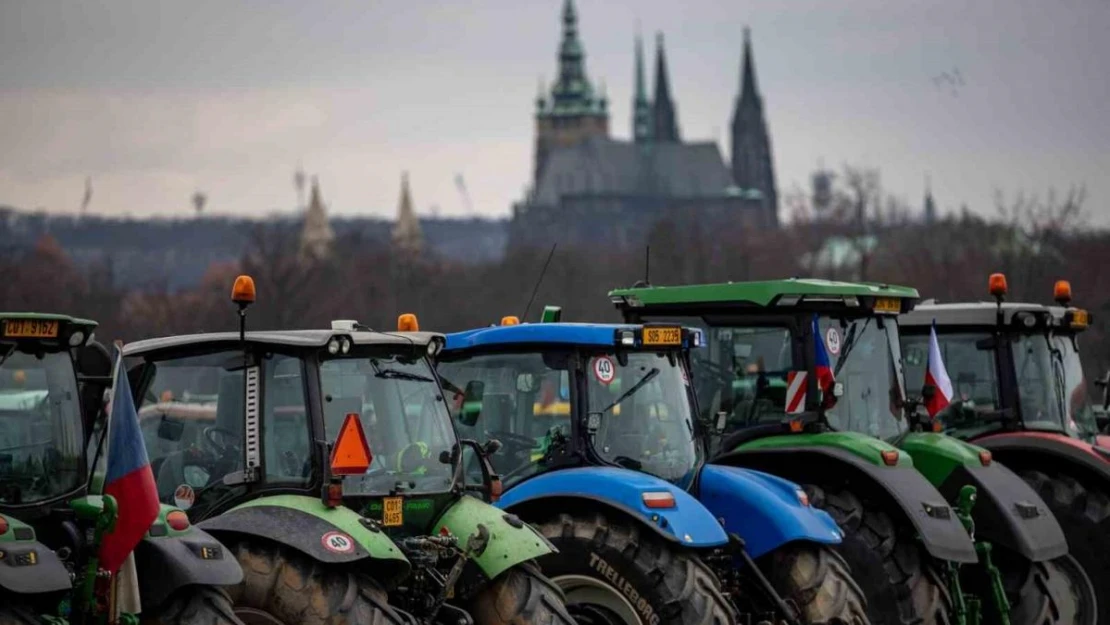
(588, 188)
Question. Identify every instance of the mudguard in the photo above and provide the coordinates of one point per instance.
(167, 559)
(688, 522)
(1008, 512)
(766, 511)
(26, 565)
(330, 535)
(899, 486)
(1048, 449)
(511, 541)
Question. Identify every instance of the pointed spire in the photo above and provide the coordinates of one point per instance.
(641, 107)
(665, 127)
(748, 87)
(930, 205)
(406, 232)
(316, 234)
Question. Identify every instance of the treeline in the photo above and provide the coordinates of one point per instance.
(366, 280)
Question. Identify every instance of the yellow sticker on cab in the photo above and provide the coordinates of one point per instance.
(393, 511)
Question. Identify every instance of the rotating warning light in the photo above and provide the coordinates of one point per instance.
(242, 292)
(351, 454)
(510, 320)
(997, 284)
(1061, 292)
(408, 323)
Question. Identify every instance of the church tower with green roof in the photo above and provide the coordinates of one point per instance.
(573, 111)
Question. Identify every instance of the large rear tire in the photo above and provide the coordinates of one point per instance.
(1083, 510)
(816, 581)
(613, 572)
(282, 586)
(520, 596)
(1044, 595)
(900, 579)
(194, 605)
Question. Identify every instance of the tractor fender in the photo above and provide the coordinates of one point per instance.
(765, 510)
(1033, 449)
(167, 560)
(1008, 512)
(329, 535)
(688, 522)
(511, 541)
(26, 565)
(901, 488)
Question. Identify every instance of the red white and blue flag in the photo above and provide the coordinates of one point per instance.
(821, 367)
(129, 478)
(937, 376)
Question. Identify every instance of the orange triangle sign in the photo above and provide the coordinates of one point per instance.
(351, 454)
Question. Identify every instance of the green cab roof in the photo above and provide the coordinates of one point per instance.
(763, 293)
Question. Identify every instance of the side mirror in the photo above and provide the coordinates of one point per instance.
(491, 482)
(170, 430)
(472, 402)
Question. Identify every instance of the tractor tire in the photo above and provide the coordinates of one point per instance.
(282, 585)
(901, 580)
(614, 572)
(1041, 593)
(815, 580)
(15, 614)
(1083, 511)
(194, 605)
(520, 596)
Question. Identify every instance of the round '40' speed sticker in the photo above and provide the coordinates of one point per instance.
(604, 369)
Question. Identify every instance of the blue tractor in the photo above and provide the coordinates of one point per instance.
(602, 451)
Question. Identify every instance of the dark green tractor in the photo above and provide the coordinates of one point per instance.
(53, 517)
(328, 463)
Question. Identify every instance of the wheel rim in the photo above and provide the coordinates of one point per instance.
(250, 616)
(598, 600)
(1081, 589)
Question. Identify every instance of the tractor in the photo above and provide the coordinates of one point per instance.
(53, 516)
(603, 453)
(327, 461)
(1021, 394)
(804, 379)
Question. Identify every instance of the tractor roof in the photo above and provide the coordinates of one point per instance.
(48, 317)
(287, 338)
(561, 333)
(45, 329)
(975, 313)
(746, 294)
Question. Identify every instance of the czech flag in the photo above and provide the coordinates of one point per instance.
(937, 376)
(129, 478)
(822, 368)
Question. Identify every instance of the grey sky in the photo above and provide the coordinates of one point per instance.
(156, 99)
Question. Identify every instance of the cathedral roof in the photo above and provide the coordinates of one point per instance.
(600, 166)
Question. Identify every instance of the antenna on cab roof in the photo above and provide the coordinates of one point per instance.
(539, 280)
(647, 269)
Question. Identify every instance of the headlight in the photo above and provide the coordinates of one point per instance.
(333, 347)
(628, 337)
(345, 344)
(76, 338)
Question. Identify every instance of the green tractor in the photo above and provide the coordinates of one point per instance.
(328, 463)
(804, 379)
(53, 517)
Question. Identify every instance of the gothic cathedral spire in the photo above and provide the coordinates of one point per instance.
(641, 107)
(316, 234)
(752, 162)
(407, 236)
(664, 124)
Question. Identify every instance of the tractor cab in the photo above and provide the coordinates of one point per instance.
(790, 355)
(522, 384)
(1013, 366)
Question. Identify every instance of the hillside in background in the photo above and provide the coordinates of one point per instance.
(175, 253)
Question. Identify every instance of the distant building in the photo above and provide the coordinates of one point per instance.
(589, 188)
(752, 161)
(930, 211)
(407, 236)
(316, 233)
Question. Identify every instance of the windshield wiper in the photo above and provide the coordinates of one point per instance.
(648, 377)
(849, 343)
(394, 374)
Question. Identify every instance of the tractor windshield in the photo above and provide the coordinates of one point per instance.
(41, 438)
(743, 373)
(866, 359)
(1069, 374)
(403, 415)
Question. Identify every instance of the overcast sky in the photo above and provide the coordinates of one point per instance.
(154, 100)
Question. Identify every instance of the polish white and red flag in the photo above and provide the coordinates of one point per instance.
(937, 377)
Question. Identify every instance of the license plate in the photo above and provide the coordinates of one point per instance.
(30, 329)
(888, 305)
(662, 336)
(393, 511)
